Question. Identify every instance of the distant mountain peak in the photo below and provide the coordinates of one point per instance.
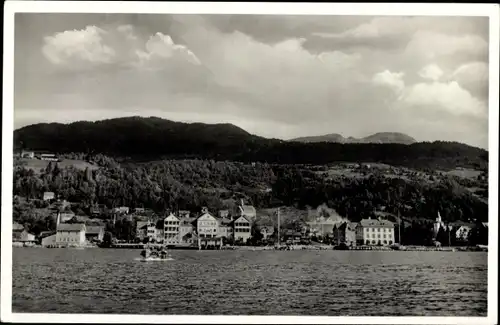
(380, 137)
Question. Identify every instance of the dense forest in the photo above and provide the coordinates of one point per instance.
(154, 138)
(192, 184)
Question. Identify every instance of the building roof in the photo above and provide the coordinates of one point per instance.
(376, 223)
(267, 229)
(94, 230)
(142, 224)
(17, 227)
(71, 227)
(247, 209)
(225, 221)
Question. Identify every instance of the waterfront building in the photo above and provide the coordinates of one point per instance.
(242, 229)
(344, 233)
(151, 230)
(94, 233)
(186, 230)
(183, 214)
(48, 240)
(225, 228)
(141, 231)
(171, 225)
(19, 234)
(375, 232)
(71, 234)
(207, 226)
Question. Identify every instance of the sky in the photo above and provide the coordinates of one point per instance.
(276, 76)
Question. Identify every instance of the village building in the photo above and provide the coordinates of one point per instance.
(207, 226)
(28, 154)
(344, 233)
(247, 211)
(141, 231)
(223, 213)
(151, 230)
(267, 232)
(19, 234)
(225, 228)
(121, 210)
(71, 234)
(187, 231)
(242, 229)
(48, 157)
(375, 232)
(171, 229)
(66, 216)
(94, 233)
(47, 196)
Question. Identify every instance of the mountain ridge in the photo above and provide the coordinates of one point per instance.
(379, 137)
(156, 138)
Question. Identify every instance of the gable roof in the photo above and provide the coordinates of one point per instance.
(94, 230)
(376, 223)
(241, 217)
(71, 227)
(17, 227)
(247, 209)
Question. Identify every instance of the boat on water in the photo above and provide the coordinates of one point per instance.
(158, 253)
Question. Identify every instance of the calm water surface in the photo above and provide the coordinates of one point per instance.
(329, 283)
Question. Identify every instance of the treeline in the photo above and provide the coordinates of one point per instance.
(155, 138)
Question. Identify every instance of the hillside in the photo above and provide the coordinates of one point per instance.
(154, 138)
(381, 137)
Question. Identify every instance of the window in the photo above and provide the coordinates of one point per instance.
(385, 236)
(378, 229)
(374, 242)
(378, 236)
(385, 241)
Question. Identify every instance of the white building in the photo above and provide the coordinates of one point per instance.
(71, 234)
(171, 226)
(375, 232)
(207, 226)
(242, 229)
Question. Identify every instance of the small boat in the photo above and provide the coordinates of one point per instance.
(155, 254)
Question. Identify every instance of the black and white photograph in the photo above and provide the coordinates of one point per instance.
(326, 163)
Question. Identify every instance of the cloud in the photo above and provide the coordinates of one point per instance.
(472, 72)
(393, 80)
(96, 46)
(431, 72)
(76, 46)
(445, 96)
(430, 44)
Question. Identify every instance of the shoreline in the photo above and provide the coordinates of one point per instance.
(282, 248)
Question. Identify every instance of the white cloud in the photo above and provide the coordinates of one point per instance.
(446, 96)
(97, 46)
(160, 46)
(471, 72)
(431, 72)
(377, 27)
(75, 46)
(393, 80)
(430, 44)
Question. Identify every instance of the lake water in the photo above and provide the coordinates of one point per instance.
(327, 283)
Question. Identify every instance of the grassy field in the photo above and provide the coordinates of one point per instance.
(37, 164)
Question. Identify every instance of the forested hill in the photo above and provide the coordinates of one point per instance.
(155, 138)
